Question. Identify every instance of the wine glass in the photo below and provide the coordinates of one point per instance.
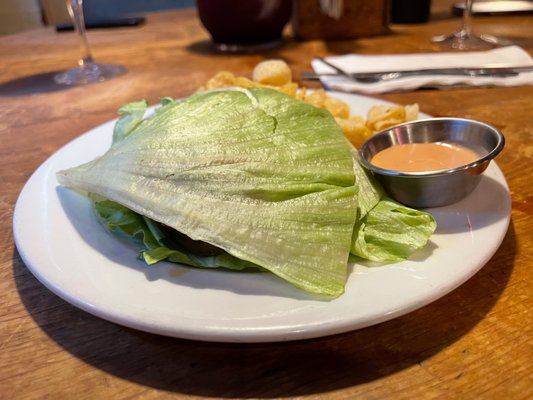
(87, 70)
(464, 38)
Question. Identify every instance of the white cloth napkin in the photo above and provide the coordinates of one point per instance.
(501, 57)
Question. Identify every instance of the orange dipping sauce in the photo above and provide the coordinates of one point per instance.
(421, 157)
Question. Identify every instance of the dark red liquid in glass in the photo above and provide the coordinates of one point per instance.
(244, 22)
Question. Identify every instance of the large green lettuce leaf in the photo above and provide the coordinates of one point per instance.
(391, 232)
(266, 178)
(386, 230)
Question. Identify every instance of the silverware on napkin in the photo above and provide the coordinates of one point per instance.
(373, 77)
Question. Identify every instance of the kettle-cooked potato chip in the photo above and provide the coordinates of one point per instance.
(355, 129)
(272, 72)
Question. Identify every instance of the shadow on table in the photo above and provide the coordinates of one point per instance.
(33, 84)
(268, 370)
(204, 47)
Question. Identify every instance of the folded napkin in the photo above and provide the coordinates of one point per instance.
(500, 57)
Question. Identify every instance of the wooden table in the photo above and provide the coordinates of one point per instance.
(474, 343)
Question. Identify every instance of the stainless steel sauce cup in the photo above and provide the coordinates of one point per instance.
(441, 187)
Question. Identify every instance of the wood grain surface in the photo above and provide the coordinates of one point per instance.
(474, 343)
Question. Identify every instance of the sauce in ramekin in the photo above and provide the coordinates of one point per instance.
(421, 157)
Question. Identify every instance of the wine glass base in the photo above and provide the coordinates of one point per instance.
(467, 42)
(89, 73)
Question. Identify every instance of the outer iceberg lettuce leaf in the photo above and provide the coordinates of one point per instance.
(370, 191)
(391, 232)
(265, 177)
(385, 230)
(166, 103)
(132, 114)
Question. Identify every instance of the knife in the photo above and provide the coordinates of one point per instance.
(372, 77)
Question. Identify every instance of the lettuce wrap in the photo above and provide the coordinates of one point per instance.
(246, 180)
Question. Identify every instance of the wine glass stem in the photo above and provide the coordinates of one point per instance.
(466, 29)
(75, 9)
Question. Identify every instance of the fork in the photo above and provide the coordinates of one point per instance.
(373, 77)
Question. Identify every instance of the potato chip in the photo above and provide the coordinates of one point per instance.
(220, 80)
(316, 98)
(355, 129)
(411, 112)
(272, 72)
(290, 89)
(301, 93)
(378, 113)
(243, 82)
(337, 107)
(381, 117)
(386, 123)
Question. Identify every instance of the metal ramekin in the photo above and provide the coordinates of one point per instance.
(434, 188)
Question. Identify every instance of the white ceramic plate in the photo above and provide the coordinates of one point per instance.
(65, 247)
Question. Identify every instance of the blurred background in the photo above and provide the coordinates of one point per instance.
(20, 15)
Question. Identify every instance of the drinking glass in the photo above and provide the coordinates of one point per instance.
(87, 70)
(464, 38)
(245, 26)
